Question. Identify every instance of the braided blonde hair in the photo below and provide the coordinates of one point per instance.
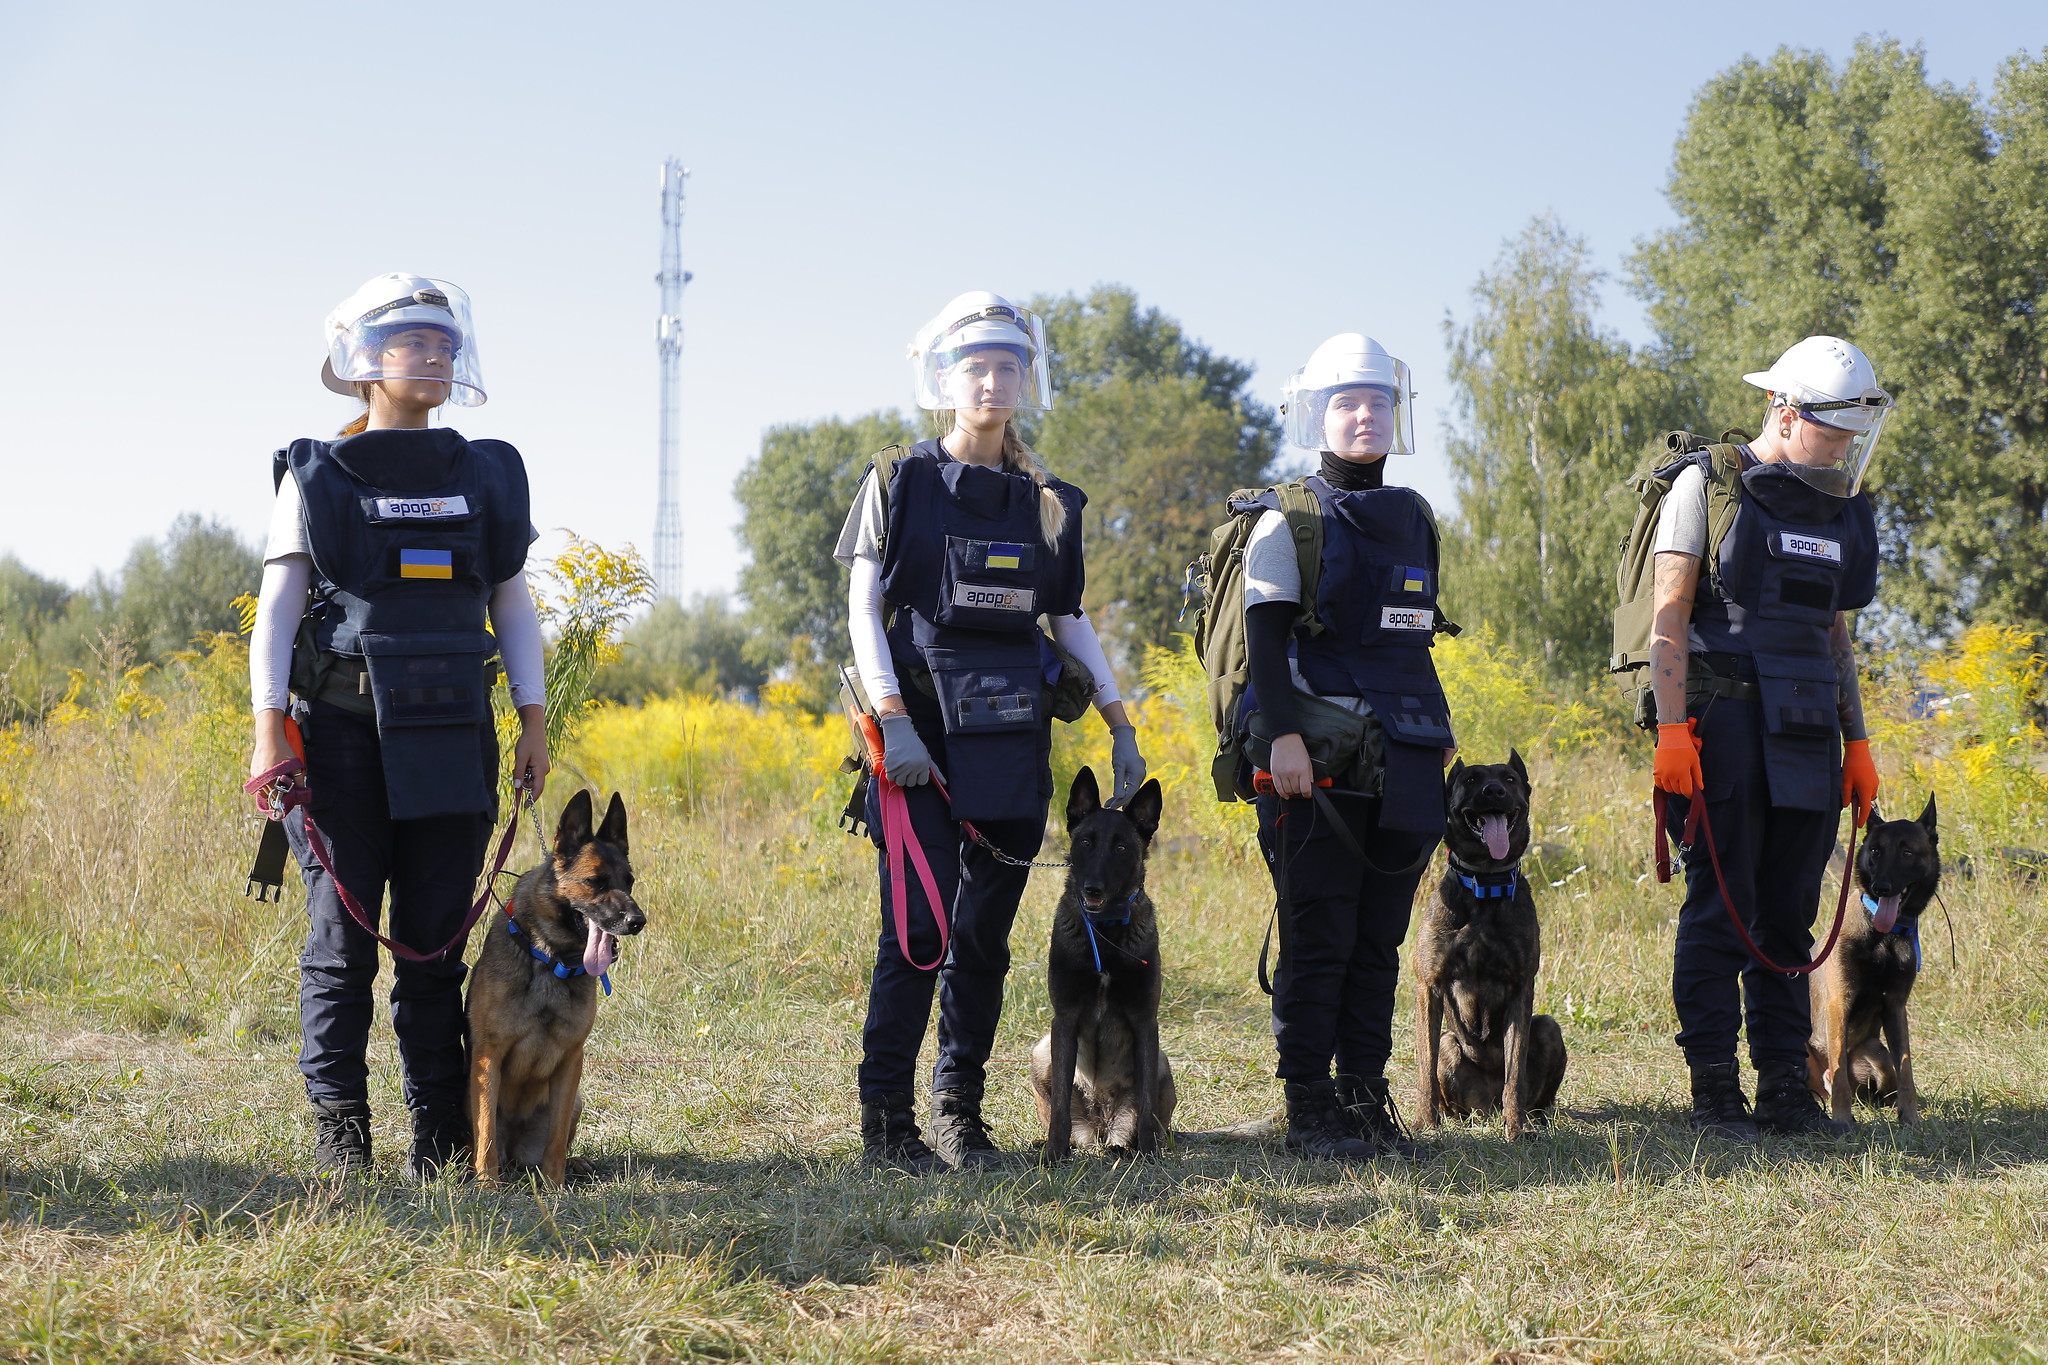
(1019, 458)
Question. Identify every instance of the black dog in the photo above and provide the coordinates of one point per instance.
(1477, 956)
(1099, 1076)
(1864, 986)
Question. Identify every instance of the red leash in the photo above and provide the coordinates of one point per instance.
(297, 793)
(1698, 822)
(897, 836)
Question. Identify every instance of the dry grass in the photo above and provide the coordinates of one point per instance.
(154, 1201)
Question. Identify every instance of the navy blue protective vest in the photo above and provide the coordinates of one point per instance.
(964, 560)
(1377, 599)
(410, 530)
(1792, 558)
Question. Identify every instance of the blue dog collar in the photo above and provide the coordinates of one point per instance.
(1485, 889)
(1091, 918)
(1908, 928)
(562, 970)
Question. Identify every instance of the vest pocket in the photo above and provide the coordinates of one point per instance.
(1798, 694)
(429, 678)
(988, 584)
(989, 691)
(1801, 578)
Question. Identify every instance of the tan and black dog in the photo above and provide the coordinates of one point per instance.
(533, 994)
(1099, 1075)
(1478, 1044)
(1863, 988)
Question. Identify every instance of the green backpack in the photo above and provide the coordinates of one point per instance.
(1219, 624)
(1635, 573)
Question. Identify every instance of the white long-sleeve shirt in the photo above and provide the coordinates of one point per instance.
(288, 582)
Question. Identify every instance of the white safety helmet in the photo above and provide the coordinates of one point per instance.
(1352, 398)
(981, 351)
(1829, 381)
(387, 306)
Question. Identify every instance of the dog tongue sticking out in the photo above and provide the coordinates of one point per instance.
(1887, 913)
(1494, 829)
(599, 949)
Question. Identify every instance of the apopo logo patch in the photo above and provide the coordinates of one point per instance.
(1407, 618)
(1817, 548)
(422, 509)
(991, 598)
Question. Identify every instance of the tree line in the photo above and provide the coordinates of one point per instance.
(1863, 200)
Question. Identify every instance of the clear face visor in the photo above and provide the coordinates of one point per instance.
(1353, 419)
(993, 359)
(1833, 443)
(425, 336)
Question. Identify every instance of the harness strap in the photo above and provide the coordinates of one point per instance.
(1697, 821)
(299, 794)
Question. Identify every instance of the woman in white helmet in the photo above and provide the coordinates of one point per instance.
(1759, 713)
(1359, 649)
(394, 570)
(972, 542)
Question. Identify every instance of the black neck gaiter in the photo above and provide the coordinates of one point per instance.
(1348, 476)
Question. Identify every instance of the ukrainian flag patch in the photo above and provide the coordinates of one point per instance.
(1412, 580)
(426, 564)
(1003, 554)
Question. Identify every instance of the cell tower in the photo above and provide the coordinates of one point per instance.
(668, 340)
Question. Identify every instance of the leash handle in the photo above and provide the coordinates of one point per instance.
(1262, 782)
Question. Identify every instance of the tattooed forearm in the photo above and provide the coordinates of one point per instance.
(1848, 689)
(1677, 576)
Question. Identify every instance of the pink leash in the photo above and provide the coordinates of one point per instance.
(897, 835)
(290, 790)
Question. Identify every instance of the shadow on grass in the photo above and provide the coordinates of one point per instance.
(791, 1218)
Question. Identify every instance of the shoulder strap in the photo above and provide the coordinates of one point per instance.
(1722, 465)
(280, 464)
(883, 463)
(1304, 513)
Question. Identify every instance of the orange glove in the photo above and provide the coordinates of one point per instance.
(1859, 778)
(1678, 759)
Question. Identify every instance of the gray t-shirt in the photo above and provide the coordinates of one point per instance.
(861, 536)
(1682, 527)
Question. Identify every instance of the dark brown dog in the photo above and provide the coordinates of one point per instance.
(1863, 988)
(1476, 960)
(533, 995)
(1099, 1075)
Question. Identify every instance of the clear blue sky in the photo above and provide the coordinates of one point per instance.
(185, 190)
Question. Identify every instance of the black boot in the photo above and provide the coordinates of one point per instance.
(1785, 1104)
(1315, 1124)
(889, 1136)
(1368, 1112)
(960, 1135)
(341, 1135)
(440, 1135)
(1718, 1108)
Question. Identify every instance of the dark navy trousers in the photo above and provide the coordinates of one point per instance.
(1774, 859)
(1341, 926)
(980, 897)
(430, 868)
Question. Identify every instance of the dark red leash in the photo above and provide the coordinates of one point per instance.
(295, 792)
(1697, 822)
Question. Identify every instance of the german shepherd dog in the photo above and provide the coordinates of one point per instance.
(533, 994)
(1476, 960)
(1864, 986)
(1099, 1076)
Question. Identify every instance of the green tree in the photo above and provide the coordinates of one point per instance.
(30, 605)
(1911, 218)
(703, 647)
(793, 499)
(167, 593)
(1159, 430)
(1554, 413)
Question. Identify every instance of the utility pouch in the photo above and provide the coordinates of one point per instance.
(1344, 746)
(989, 585)
(1069, 686)
(992, 701)
(1801, 756)
(431, 701)
(1417, 729)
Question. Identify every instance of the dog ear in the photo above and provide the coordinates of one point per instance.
(572, 831)
(1083, 798)
(1451, 777)
(1521, 768)
(1927, 820)
(613, 830)
(1143, 809)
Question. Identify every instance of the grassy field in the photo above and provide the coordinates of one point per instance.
(155, 1200)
